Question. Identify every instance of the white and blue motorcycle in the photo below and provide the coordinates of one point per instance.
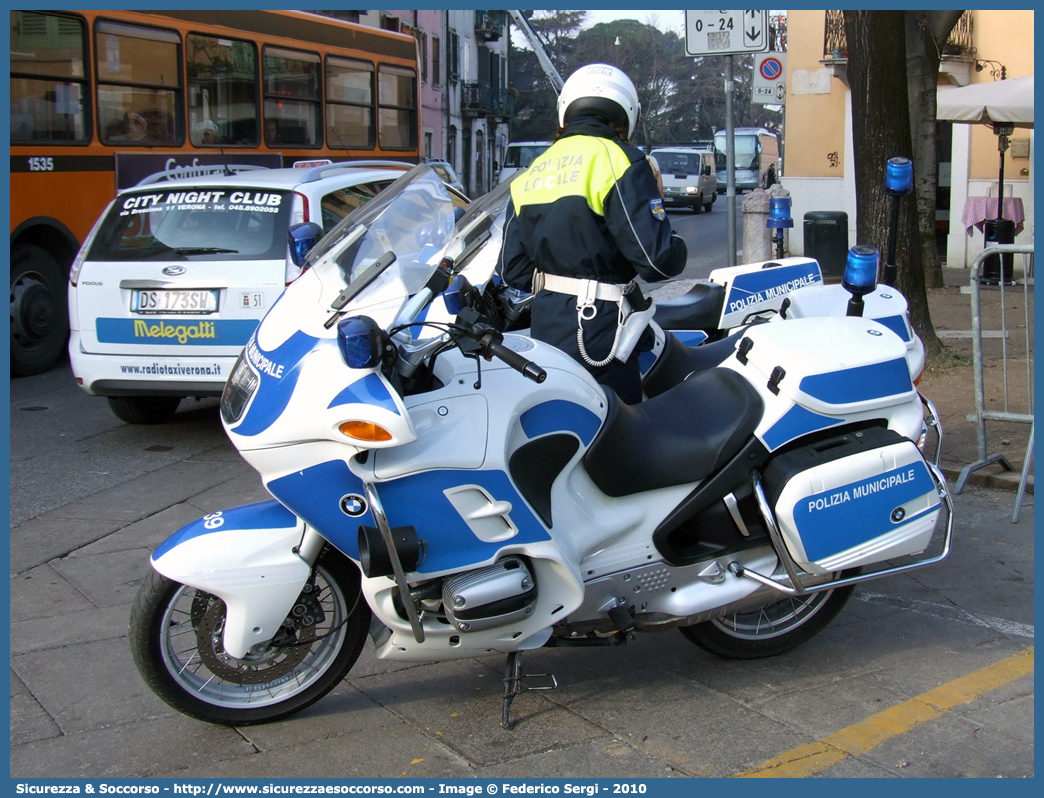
(452, 490)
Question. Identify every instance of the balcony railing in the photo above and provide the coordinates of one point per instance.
(489, 25)
(479, 99)
(958, 46)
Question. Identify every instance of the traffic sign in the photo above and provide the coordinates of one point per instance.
(726, 32)
(769, 86)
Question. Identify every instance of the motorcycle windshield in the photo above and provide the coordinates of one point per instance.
(484, 215)
(389, 247)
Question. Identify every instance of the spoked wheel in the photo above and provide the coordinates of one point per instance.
(772, 629)
(176, 633)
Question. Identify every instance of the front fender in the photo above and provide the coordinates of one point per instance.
(248, 557)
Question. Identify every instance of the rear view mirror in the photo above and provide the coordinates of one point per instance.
(302, 238)
(458, 295)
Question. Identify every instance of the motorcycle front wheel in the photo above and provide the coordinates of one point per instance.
(772, 629)
(176, 633)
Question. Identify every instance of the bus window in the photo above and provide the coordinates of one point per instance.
(139, 84)
(397, 108)
(48, 86)
(747, 148)
(293, 109)
(349, 104)
(222, 76)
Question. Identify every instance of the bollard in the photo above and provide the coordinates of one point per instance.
(757, 239)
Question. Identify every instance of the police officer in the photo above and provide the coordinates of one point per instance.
(585, 219)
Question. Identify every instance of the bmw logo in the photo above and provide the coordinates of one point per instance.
(353, 505)
(898, 514)
(173, 271)
(875, 333)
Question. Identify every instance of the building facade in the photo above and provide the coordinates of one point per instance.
(465, 105)
(819, 168)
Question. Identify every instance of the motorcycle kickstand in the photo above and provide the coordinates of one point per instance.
(513, 685)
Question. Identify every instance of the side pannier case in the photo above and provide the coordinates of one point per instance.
(853, 500)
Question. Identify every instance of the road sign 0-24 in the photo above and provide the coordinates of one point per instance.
(726, 32)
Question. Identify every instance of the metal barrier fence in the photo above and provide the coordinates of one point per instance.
(982, 415)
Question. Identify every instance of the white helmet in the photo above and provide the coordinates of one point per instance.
(603, 90)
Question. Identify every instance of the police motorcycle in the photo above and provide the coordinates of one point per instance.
(451, 490)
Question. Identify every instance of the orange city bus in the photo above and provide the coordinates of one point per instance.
(102, 99)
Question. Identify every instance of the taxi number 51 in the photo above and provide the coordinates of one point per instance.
(41, 164)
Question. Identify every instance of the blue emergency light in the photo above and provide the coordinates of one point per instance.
(779, 213)
(359, 339)
(899, 176)
(860, 275)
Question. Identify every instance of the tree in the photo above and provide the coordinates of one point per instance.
(535, 117)
(881, 130)
(682, 98)
(558, 29)
(926, 35)
(652, 58)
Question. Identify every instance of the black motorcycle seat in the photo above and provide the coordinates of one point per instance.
(678, 361)
(680, 436)
(699, 309)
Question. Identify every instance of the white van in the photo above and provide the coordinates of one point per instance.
(689, 177)
(518, 156)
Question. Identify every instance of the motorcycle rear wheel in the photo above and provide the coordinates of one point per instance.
(772, 629)
(175, 637)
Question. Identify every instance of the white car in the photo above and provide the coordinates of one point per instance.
(176, 274)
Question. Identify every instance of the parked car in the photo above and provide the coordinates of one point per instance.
(176, 274)
(518, 156)
(689, 177)
(445, 170)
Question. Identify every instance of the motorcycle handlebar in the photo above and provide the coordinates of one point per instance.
(527, 368)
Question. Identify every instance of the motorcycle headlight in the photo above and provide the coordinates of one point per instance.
(240, 387)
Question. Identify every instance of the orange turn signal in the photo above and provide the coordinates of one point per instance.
(365, 431)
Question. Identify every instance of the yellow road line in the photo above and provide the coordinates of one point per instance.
(862, 737)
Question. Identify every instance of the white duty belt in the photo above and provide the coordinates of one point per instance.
(629, 325)
(585, 291)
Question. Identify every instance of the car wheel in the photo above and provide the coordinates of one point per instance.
(696, 207)
(709, 204)
(144, 409)
(39, 310)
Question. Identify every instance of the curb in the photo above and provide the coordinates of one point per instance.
(1008, 480)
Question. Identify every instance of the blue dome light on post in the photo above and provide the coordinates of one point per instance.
(899, 176)
(860, 275)
(779, 213)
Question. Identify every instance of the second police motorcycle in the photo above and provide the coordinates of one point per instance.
(450, 490)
